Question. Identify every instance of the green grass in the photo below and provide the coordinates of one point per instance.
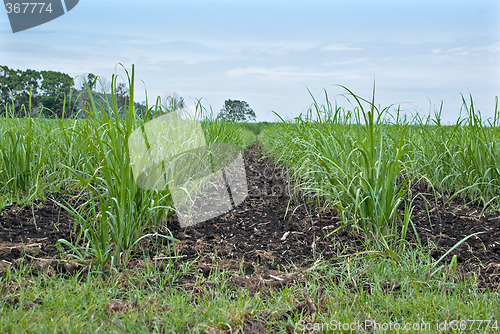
(363, 161)
(352, 159)
(461, 159)
(255, 128)
(150, 299)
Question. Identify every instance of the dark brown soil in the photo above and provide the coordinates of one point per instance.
(270, 230)
(32, 230)
(267, 228)
(447, 223)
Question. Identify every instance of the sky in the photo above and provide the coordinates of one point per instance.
(272, 53)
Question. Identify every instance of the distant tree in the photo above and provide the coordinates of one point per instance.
(18, 86)
(104, 85)
(122, 95)
(53, 94)
(237, 111)
(88, 85)
(7, 84)
(30, 82)
(140, 109)
(57, 89)
(174, 102)
(91, 82)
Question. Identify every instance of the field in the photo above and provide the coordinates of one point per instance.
(356, 219)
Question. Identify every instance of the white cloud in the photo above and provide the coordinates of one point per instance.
(275, 48)
(339, 47)
(347, 62)
(290, 73)
(471, 50)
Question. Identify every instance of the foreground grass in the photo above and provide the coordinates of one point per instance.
(170, 298)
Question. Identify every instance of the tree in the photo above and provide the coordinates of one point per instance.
(121, 95)
(18, 86)
(30, 80)
(7, 76)
(56, 94)
(174, 102)
(140, 109)
(91, 82)
(237, 111)
(88, 85)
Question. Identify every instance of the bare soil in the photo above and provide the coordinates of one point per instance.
(269, 231)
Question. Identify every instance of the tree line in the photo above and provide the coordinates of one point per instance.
(51, 93)
(44, 90)
(54, 94)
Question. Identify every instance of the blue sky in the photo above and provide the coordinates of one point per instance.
(269, 53)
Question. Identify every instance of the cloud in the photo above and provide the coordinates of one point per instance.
(346, 62)
(469, 50)
(159, 50)
(290, 73)
(339, 47)
(277, 48)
